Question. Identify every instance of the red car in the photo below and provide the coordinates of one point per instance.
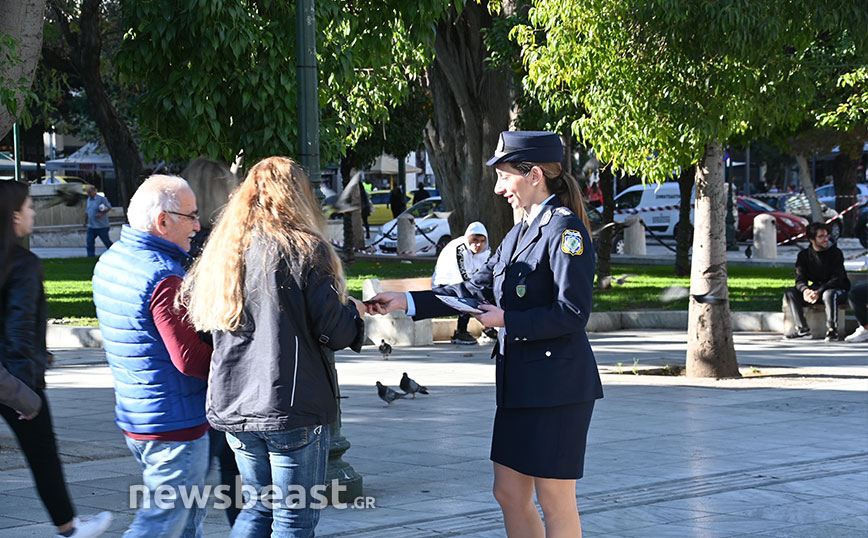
(788, 225)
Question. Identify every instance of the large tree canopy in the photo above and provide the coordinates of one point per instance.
(660, 79)
(665, 84)
(219, 77)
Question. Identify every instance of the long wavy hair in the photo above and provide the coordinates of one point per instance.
(563, 184)
(13, 194)
(276, 204)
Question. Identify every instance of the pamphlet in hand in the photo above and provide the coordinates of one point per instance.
(467, 305)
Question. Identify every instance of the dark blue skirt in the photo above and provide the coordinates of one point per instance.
(544, 442)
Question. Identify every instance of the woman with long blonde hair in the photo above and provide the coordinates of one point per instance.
(271, 290)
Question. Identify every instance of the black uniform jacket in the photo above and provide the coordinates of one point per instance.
(544, 284)
(22, 323)
(272, 373)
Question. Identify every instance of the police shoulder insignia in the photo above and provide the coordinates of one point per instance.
(571, 243)
(563, 211)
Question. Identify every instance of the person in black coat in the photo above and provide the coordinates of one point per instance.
(420, 193)
(820, 275)
(537, 289)
(23, 354)
(397, 201)
(271, 290)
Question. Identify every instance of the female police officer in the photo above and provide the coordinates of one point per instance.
(541, 281)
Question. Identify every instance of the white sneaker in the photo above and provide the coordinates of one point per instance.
(91, 526)
(861, 335)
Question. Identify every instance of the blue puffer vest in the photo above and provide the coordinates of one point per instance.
(151, 395)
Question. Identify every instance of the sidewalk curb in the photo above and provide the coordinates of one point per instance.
(68, 336)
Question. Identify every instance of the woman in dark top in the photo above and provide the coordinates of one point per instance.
(537, 290)
(24, 355)
(271, 290)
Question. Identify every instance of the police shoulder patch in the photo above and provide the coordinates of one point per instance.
(571, 242)
(563, 211)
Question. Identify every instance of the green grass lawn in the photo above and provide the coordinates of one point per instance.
(68, 286)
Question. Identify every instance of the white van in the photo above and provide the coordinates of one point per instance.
(639, 197)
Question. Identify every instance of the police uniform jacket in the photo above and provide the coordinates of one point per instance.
(544, 283)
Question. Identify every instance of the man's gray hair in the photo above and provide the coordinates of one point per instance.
(157, 194)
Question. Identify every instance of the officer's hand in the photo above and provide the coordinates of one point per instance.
(360, 306)
(810, 296)
(493, 316)
(386, 302)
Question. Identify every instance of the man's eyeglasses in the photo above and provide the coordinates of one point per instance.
(192, 216)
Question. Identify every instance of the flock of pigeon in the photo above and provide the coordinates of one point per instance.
(408, 385)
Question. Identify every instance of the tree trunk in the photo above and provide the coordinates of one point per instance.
(23, 21)
(710, 348)
(604, 253)
(808, 186)
(682, 233)
(118, 139)
(845, 166)
(471, 108)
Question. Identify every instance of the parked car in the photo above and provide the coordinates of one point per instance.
(862, 223)
(826, 194)
(651, 196)
(749, 208)
(432, 228)
(798, 205)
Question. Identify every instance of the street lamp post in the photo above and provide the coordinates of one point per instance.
(308, 155)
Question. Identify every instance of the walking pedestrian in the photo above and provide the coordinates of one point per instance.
(271, 290)
(539, 285)
(96, 219)
(158, 362)
(23, 354)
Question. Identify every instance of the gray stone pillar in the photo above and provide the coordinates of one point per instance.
(406, 234)
(765, 237)
(634, 236)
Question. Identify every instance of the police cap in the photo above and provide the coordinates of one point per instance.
(527, 146)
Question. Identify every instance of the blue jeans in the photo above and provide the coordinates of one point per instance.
(290, 461)
(175, 466)
(92, 234)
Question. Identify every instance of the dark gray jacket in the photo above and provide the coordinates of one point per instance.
(22, 324)
(272, 373)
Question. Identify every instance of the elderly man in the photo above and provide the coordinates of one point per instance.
(96, 219)
(157, 359)
(820, 275)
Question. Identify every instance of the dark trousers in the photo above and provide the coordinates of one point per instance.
(228, 469)
(859, 300)
(831, 298)
(90, 240)
(36, 439)
(463, 320)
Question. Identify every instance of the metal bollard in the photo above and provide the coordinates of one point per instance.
(634, 236)
(765, 237)
(406, 234)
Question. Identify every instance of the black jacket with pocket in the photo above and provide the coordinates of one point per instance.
(272, 373)
(22, 325)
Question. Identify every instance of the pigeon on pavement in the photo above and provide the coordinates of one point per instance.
(388, 394)
(385, 349)
(410, 386)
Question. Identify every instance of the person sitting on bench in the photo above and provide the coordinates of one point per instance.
(821, 264)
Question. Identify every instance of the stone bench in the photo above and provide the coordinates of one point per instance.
(815, 315)
(396, 328)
